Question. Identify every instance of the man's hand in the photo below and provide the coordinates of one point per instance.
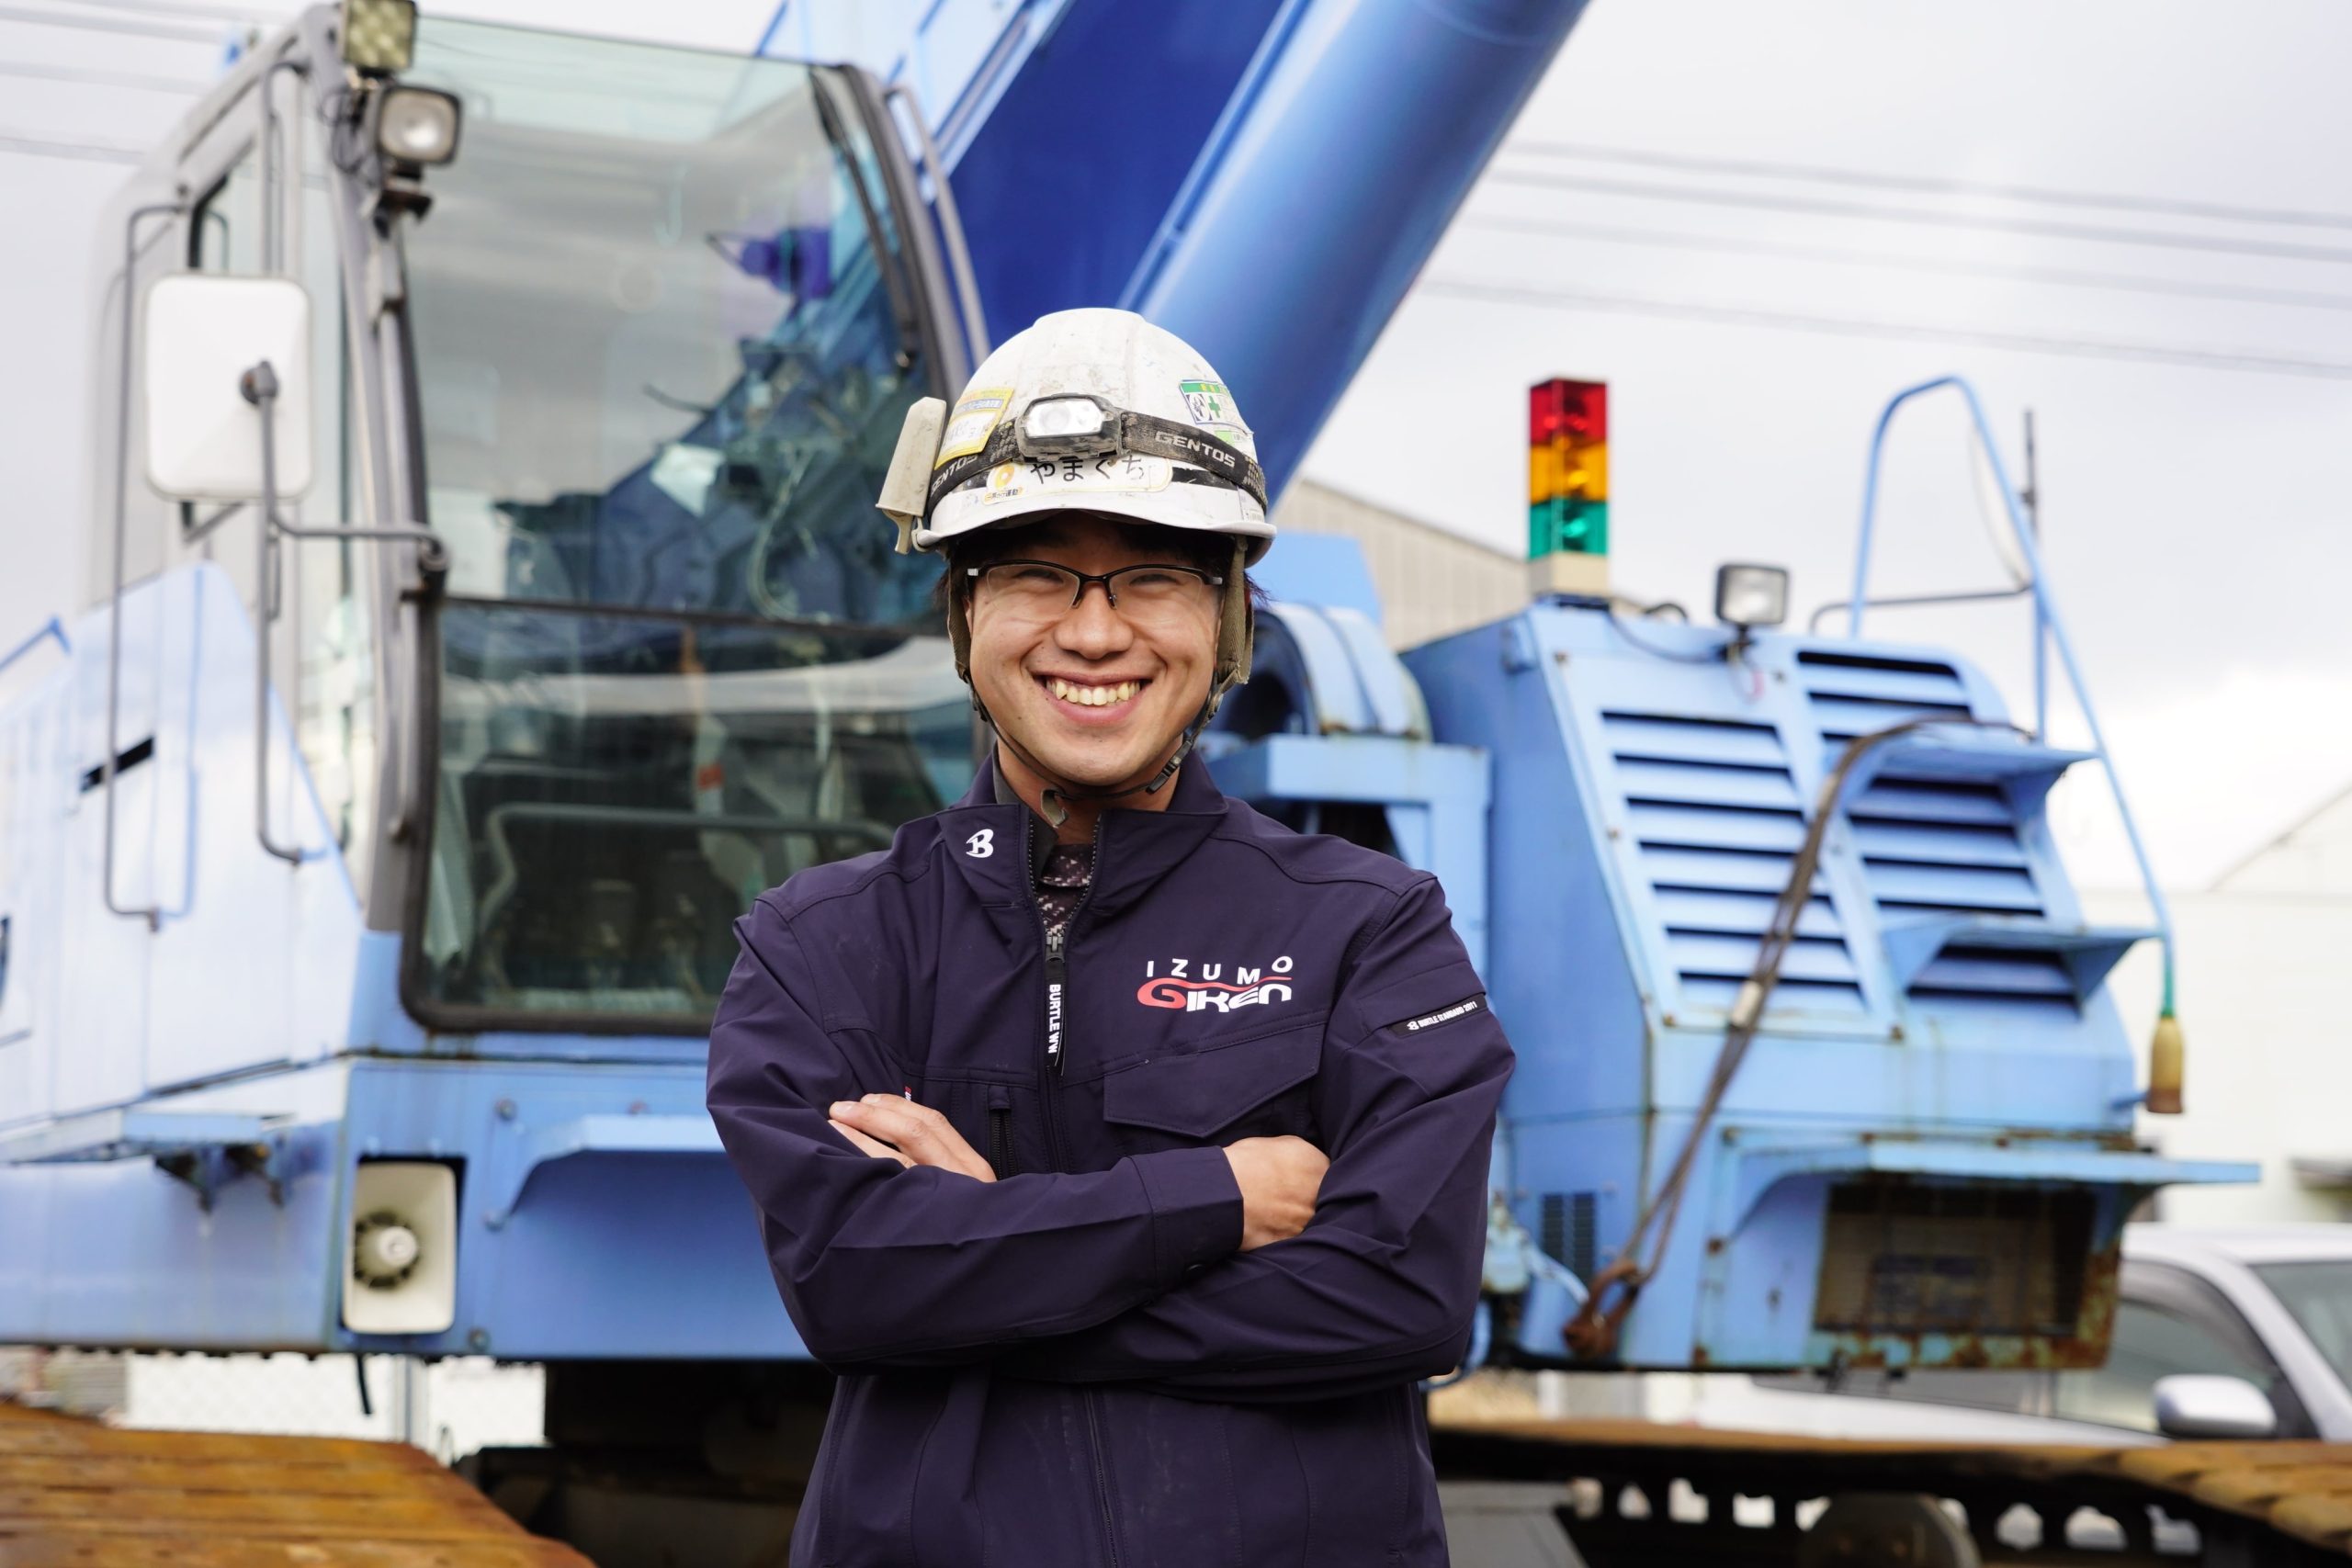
(890, 1127)
(1279, 1179)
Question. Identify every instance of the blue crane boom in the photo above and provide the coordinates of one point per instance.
(1263, 177)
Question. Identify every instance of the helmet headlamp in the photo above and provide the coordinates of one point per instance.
(1080, 424)
(1070, 424)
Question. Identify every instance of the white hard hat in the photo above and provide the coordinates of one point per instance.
(1088, 410)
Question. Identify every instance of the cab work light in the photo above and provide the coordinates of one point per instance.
(416, 125)
(378, 36)
(1749, 596)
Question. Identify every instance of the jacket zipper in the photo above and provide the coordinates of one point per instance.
(1001, 1130)
(1056, 974)
(1056, 945)
(1057, 1055)
(1102, 1479)
(1056, 980)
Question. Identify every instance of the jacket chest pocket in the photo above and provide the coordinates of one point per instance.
(990, 1115)
(1253, 1089)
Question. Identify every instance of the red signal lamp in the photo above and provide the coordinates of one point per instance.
(1573, 411)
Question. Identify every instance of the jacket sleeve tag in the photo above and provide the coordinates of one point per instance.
(1461, 1008)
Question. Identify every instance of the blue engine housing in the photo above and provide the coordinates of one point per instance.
(1926, 1157)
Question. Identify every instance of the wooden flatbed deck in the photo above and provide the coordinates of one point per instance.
(76, 1494)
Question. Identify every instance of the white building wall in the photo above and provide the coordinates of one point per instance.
(2265, 1007)
(1432, 582)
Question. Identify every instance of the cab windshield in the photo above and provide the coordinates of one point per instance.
(665, 333)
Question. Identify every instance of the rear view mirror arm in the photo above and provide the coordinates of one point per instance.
(150, 913)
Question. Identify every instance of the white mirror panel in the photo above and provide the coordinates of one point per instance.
(200, 334)
(2198, 1404)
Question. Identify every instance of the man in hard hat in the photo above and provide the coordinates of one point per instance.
(1124, 1152)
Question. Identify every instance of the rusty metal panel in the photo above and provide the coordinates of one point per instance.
(92, 1497)
(2094, 1288)
(1907, 1258)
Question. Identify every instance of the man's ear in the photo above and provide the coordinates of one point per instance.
(959, 632)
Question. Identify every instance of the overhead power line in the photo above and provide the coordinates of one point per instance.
(1856, 326)
(89, 152)
(2112, 201)
(2129, 283)
(237, 16)
(109, 24)
(2284, 249)
(90, 78)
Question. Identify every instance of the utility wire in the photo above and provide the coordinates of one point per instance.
(90, 152)
(1866, 179)
(2132, 282)
(102, 78)
(198, 13)
(1855, 326)
(2287, 249)
(109, 24)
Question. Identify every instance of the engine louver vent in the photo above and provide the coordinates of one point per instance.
(1570, 1231)
(1933, 846)
(1715, 815)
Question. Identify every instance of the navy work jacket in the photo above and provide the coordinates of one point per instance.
(1075, 1364)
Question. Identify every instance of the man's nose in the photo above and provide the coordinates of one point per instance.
(1092, 628)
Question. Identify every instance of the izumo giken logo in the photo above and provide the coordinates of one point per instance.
(1213, 987)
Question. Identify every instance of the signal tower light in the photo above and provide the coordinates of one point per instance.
(1567, 486)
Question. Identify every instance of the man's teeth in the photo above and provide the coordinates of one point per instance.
(1093, 697)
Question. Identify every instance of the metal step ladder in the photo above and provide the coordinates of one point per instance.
(2020, 760)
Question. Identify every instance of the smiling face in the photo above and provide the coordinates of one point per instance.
(1097, 695)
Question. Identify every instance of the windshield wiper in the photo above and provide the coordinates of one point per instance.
(888, 263)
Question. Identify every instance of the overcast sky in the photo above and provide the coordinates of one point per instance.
(1755, 222)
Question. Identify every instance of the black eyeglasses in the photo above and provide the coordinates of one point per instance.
(1042, 588)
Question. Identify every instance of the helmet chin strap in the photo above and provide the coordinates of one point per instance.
(1061, 793)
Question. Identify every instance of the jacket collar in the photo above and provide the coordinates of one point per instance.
(1137, 848)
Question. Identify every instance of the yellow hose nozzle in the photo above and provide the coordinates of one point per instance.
(2166, 1064)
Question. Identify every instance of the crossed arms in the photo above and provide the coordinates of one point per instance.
(1277, 1178)
(1150, 1272)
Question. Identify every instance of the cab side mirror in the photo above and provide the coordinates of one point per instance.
(200, 334)
(2191, 1404)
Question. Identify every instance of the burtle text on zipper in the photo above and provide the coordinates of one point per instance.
(1054, 999)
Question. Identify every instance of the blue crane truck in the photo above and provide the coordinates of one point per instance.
(485, 601)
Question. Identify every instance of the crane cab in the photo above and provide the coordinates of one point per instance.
(426, 753)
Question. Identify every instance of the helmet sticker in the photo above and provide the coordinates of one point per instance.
(1212, 407)
(974, 416)
(1128, 472)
